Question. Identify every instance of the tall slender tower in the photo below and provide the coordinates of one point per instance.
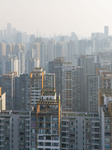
(106, 31)
(36, 85)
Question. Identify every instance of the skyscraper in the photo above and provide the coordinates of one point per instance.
(56, 68)
(106, 31)
(48, 121)
(92, 93)
(67, 90)
(80, 131)
(22, 92)
(15, 130)
(8, 86)
(9, 32)
(36, 85)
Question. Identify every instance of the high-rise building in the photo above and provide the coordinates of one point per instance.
(35, 50)
(7, 65)
(48, 121)
(89, 69)
(106, 31)
(9, 28)
(58, 51)
(105, 109)
(33, 130)
(36, 85)
(9, 48)
(43, 56)
(92, 93)
(56, 68)
(78, 92)
(14, 130)
(8, 87)
(80, 131)
(88, 62)
(22, 92)
(58, 63)
(31, 64)
(15, 65)
(49, 80)
(9, 32)
(32, 38)
(18, 38)
(67, 88)
(106, 80)
(21, 62)
(50, 50)
(38, 81)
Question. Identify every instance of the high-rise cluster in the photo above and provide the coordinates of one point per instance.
(55, 94)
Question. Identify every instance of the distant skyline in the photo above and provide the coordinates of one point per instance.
(55, 17)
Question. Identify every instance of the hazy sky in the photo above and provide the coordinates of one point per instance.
(50, 17)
